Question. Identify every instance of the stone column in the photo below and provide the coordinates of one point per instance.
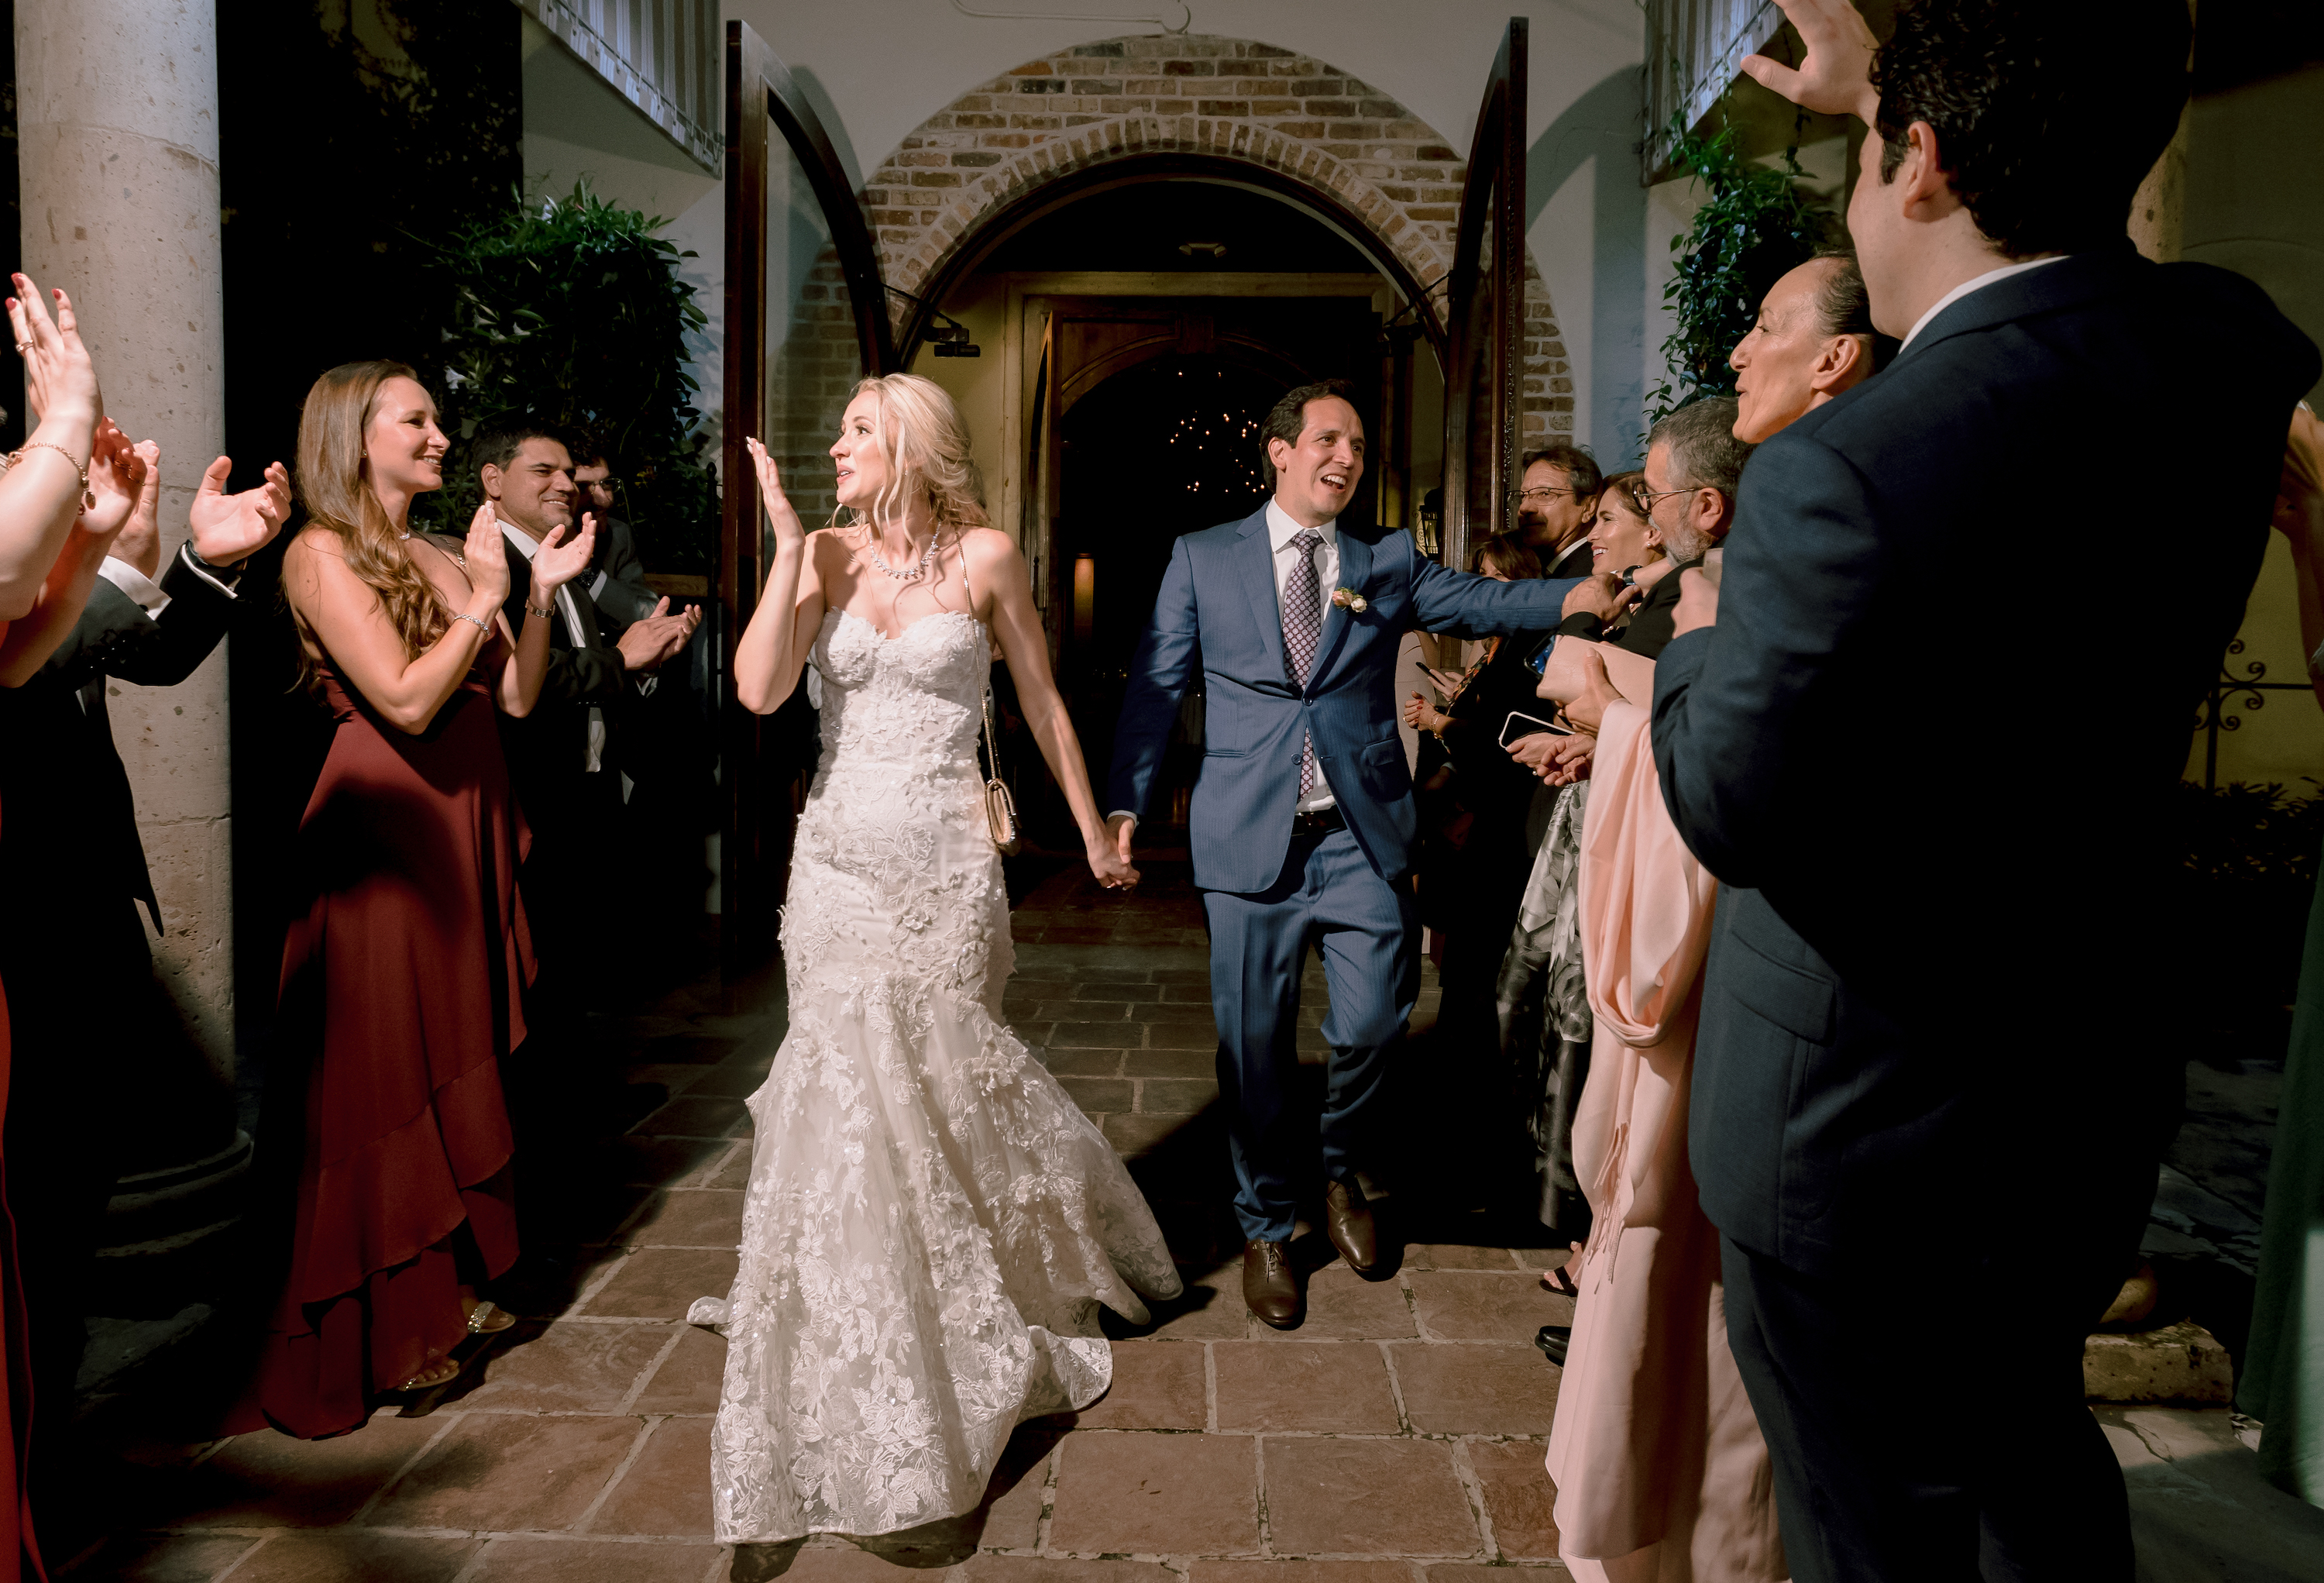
(118, 118)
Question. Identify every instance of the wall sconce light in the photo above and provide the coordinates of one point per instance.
(1084, 596)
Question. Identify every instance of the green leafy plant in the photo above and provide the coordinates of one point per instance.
(2250, 856)
(1756, 224)
(570, 312)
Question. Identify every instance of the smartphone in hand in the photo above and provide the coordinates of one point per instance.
(1519, 727)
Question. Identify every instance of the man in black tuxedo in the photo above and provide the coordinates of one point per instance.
(86, 1017)
(1933, 1066)
(1557, 487)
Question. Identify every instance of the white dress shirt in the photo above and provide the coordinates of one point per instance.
(1281, 529)
(594, 752)
(1978, 284)
(145, 590)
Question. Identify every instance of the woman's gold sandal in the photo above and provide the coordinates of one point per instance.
(489, 1319)
(442, 1371)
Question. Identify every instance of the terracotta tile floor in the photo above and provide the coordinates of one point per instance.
(1394, 1437)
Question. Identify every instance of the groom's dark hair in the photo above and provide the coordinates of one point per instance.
(2048, 113)
(1288, 420)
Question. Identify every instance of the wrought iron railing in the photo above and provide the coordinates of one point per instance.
(663, 56)
(1693, 50)
(2245, 692)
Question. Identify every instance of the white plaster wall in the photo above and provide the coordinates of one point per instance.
(875, 68)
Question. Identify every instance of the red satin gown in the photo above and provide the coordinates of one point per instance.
(402, 990)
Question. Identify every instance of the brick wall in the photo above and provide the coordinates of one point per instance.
(1120, 99)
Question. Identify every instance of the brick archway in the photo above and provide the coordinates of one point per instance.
(1232, 100)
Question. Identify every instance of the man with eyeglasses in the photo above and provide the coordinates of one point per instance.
(1559, 485)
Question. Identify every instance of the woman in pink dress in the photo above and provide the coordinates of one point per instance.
(1662, 1475)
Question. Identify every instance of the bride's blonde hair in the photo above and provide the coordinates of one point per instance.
(924, 441)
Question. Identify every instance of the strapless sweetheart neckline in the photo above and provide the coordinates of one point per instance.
(888, 637)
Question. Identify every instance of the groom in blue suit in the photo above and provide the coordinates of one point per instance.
(1302, 824)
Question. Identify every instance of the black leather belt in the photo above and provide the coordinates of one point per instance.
(1323, 821)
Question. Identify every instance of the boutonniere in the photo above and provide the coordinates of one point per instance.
(1349, 599)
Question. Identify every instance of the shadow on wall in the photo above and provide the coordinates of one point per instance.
(1603, 124)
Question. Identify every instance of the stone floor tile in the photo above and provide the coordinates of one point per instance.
(1109, 1012)
(267, 1480)
(495, 1470)
(731, 1173)
(657, 1161)
(1210, 1309)
(1297, 1571)
(1092, 1036)
(695, 1217)
(1048, 986)
(1202, 1035)
(1479, 1572)
(1084, 1063)
(1331, 1387)
(689, 1378)
(1520, 1502)
(1201, 1062)
(1141, 1134)
(1126, 1494)
(1477, 1306)
(571, 1367)
(692, 1048)
(582, 1560)
(663, 1283)
(1098, 1096)
(695, 1116)
(1384, 1497)
(667, 1489)
(1018, 1491)
(1118, 990)
(181, 1558)
(991, 1569)
(1343, 1306)
(1177, 1096)
(1453, 1256)
(355, 1558)
(736, 1077)
(1157, 1384)
(1465, 1388)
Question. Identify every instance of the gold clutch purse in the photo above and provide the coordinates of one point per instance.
(1000, 806)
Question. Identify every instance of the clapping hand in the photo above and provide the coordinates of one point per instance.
(1835, 77)
(785, 521)
(228, 528)
(650, 641)
(562, 558)
(485, 554)
(139, 543)
(1421, 716)
(58, 374)
(116, 477)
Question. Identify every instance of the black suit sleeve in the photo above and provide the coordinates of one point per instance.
(575, 674)
(115, 637)
(1750, 732)
(626, 596)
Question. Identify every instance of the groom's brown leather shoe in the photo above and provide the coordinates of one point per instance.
(1348, 1222)
(1270, 1286)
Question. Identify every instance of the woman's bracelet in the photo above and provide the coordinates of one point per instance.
(88, 496)
(477, 621)
(530, 610)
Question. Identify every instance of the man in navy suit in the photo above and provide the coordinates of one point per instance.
(1302, 821)
(1935, 1072)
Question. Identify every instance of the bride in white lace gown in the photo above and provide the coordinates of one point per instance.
(930, 1223)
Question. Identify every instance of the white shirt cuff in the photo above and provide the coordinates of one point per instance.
(1121, 813)
(186, 554)
(135, 584)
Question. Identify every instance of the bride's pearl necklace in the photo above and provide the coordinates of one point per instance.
(909, 574)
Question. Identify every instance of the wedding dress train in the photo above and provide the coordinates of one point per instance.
(930, 1223)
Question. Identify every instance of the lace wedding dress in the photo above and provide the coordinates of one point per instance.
(930, 1223)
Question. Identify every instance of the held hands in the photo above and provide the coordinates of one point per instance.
(562, 557)
(1109, 855)
(789, 532)
(651, 641)
(139, 543)
(59, 375)
(1835, 78)
(228, 528)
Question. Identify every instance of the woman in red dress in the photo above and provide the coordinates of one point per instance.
(403, 978)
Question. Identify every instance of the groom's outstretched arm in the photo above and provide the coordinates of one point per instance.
(1468, 606)
(1159, 676)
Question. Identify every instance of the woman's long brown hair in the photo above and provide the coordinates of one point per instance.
(336, 493)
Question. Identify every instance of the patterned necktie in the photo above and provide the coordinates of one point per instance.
(1302, 627)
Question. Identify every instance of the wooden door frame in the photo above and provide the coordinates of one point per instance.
(1492, 192)
(764, 100)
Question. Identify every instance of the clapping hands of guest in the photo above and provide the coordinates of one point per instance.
(1834, 77)
(651, 641)
(139, 542)
(60, 376)
(1422, 716)
(229, 528)
(116, 480)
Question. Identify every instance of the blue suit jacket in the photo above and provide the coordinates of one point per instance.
(1935, 779)
(1218, 610)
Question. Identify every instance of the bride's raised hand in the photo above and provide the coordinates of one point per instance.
(564, 556)
(1835, 76)
(788, 530)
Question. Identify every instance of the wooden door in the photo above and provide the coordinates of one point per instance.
(1485, 372)
(796, 245)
